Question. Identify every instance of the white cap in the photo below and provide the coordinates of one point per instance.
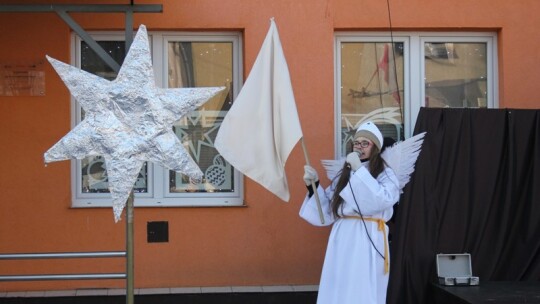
(370, 131)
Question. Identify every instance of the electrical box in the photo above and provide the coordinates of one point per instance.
(157, 232)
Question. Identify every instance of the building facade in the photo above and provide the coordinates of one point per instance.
(346, 64)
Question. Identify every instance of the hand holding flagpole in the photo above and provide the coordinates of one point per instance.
(314, 187)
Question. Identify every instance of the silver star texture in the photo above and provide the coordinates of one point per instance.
(128, 121)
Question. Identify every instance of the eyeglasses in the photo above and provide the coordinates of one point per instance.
(362, 144)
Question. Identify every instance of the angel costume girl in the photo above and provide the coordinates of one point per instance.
(356, 265)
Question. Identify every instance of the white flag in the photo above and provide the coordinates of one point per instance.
(262, 127)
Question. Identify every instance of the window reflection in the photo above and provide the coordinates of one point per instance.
(371, 89)
(202, 64)
(455, 75)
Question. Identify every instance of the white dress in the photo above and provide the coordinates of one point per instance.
(353, 271)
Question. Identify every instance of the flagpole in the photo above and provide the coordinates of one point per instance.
(314, 187)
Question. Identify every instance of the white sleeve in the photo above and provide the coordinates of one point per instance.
(310, 212)
(372, 195)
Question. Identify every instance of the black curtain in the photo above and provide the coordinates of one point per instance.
(476, 189)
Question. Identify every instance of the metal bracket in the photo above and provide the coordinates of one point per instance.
(63, 11)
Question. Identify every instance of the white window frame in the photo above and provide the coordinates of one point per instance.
(157, 182)
(414, 69)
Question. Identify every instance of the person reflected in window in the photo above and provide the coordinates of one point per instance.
(357, 204)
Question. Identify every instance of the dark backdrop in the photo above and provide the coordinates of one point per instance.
(476, 189)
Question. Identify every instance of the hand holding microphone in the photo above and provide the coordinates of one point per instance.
(353, 159)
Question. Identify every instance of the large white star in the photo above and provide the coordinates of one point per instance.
(128, 120)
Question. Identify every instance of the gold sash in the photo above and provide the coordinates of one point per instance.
(381, 227)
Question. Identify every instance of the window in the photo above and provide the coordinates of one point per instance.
(179, 60)
(387, 81)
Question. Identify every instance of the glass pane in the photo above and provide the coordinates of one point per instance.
(371, 89)
(92, 63)
(455, 75)
(202, 64)
(93, 169)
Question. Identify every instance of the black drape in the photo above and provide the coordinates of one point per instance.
(476, 189)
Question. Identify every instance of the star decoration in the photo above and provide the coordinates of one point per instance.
(196, 130)
(128, 120)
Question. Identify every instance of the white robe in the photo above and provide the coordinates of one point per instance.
(353, 272)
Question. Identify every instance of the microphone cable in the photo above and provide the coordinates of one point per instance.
(364, 222)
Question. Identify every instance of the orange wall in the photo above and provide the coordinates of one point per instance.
(265, 243)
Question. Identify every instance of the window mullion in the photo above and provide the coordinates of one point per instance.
(493, 73)
(337, 98)
(416, 74)
(157, 181)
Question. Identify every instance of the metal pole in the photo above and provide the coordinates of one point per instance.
(89, 40)
(82, 8)
(62, 255)
(129, 249)
(47, 277)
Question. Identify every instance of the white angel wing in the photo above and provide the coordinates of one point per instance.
(401, 157)
(333, 167)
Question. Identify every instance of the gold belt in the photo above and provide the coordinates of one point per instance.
(382, 227)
